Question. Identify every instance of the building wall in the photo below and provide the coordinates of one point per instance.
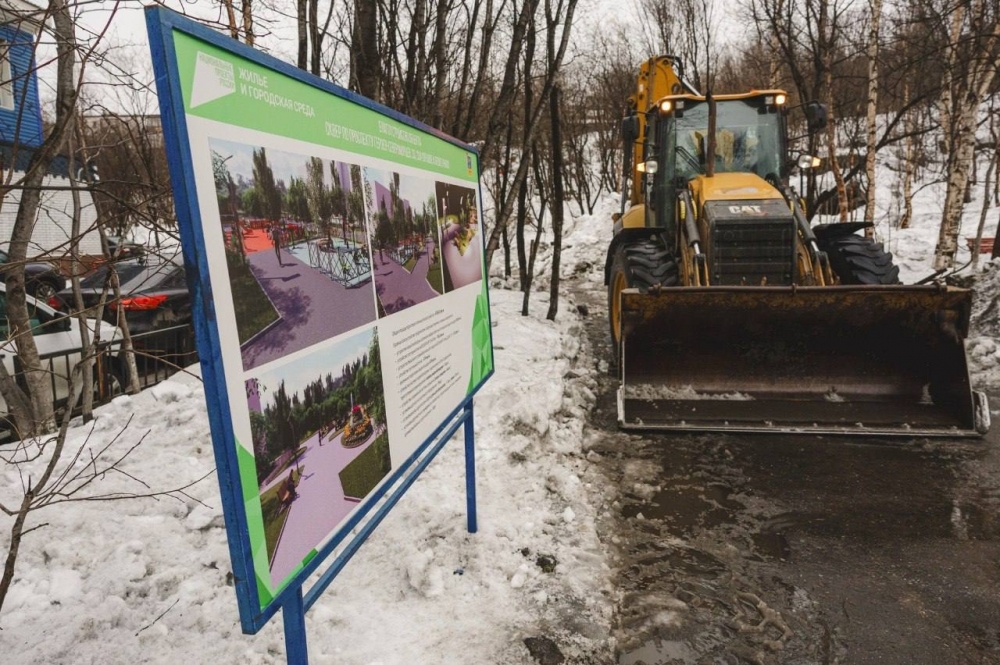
(383, 199)
(53, 228)
(26, 106)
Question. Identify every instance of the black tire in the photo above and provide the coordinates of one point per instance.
(859, 260)
(41, 290)
(645, 265)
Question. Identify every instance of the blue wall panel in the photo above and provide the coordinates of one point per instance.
(23, 124)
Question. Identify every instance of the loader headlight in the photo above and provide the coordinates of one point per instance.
(780, 100)
(651, 166)
(666, 106)
(807, 162)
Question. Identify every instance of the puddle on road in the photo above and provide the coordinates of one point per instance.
(772, 546)
(975, 521)
(685, 507)
(660, 651)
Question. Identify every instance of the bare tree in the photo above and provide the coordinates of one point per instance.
(563, 16)
(875, 7)
(33, 410)
(971, 54)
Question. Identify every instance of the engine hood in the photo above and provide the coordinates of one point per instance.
(732, 187)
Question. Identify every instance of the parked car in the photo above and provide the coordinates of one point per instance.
(154, 297)
(127, 248)
(57, 337)
(42, 279)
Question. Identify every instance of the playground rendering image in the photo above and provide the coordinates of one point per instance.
(404, 238)
(296, 248)
(320, 444)
(459, 223)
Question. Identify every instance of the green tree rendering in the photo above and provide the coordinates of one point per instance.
(338, 201)
(356, 198)
(323, 404)
(320, 200)
(264, 182)
(297, 201)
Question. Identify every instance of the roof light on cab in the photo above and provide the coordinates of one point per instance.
(666, 106)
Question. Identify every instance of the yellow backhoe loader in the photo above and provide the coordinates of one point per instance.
(730, 312)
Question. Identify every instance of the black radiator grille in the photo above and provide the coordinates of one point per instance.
(748, 252)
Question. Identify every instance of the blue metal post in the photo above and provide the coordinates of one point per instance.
(293, 615)
(470, 467)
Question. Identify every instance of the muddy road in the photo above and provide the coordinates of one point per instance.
(799, 549)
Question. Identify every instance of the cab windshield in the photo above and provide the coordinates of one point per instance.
(749, 138)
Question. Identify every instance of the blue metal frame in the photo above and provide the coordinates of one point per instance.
(161, 24)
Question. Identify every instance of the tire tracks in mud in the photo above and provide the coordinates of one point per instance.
(785, 550)
(691, 545)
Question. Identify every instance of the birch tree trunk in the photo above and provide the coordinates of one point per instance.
(909, 161)
(774, 48)
(985, 209)
(968, 91)
(826, 46)
(876, 12)
(302, 23)
(364, 49)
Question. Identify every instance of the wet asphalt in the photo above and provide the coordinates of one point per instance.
(798, 549)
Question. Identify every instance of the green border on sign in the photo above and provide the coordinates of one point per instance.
(236, 91)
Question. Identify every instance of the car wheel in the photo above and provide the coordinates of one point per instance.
(42, 291)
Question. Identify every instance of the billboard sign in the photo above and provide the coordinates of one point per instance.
(334, 254)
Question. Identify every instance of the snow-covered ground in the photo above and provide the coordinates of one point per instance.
(147, 580)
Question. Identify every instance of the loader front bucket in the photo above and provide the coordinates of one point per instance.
(844, 359)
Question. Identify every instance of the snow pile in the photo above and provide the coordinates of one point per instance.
(147, 580)
(652, 392)
(981, 347)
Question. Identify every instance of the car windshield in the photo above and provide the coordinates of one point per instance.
(38, 318)
(748, 139)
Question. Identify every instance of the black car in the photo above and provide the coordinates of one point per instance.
(155, 300)
(42, 279)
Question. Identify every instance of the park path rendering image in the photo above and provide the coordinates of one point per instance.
(317, 502)
(320, 443)
(311, 307)
(404, 240)
(399, 288)
(296, 248)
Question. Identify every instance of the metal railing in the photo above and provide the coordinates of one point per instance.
(161, 353)
(158, 355)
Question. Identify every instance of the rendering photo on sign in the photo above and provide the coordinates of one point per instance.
(296, 247)
(459, 217)
(404, 238)
(320, 443)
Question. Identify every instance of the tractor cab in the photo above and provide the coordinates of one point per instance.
(751, 139)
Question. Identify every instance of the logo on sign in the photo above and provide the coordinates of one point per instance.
(745, 210)
(468, 162)
(213, 79)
